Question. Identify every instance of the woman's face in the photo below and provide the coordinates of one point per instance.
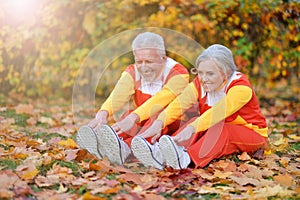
(149, 63)
(210, 76)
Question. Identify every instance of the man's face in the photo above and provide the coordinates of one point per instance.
(149, 63)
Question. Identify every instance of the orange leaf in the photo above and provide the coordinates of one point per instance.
(95, 167)
(113, 190)
(88, 196)
(25, 108)
(20, 156)
(285, 180)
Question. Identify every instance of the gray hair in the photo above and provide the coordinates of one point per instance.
(149, 40)
(222, 56)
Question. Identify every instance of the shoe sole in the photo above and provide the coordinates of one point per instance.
(86, 139)
(143, 152)
(169, 150)
(110, 141)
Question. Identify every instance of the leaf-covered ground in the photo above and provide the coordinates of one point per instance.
(39, 159)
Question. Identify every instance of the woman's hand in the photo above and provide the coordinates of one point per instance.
(100, 119)
(126, 124)
(153, 131)
(184, 135)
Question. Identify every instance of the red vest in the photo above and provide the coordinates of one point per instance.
(249, 112)
(139, 96)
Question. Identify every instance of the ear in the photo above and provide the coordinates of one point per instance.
(164, 57)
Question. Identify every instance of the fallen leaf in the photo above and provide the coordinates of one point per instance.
(270, 191)
(30, 174)
(71, 154)
(31, 121)
(284, 161)
(69, 143)
(222, 175)
(62, 189)
(151, 196)
(132, 177)
(244, 156)
(285, 180)
(25, 108)
(6, 194)
(245, 180)
(47, 120)
(88, 196)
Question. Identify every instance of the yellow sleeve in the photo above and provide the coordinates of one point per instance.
(176, 108)
(120, 95)
(235, 99)
(162, 98)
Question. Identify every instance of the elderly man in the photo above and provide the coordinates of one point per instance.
(152, 82)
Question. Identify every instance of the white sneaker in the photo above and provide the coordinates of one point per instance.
(146, 153)
(176, 156)
(115, 149)
(86, 138)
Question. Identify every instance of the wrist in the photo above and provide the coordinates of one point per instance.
(160, 124)
(134, 117)
(192, 128)
(101, 114)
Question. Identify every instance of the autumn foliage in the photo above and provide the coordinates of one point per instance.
(44, 44)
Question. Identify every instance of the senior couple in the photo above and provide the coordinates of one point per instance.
(156, 131)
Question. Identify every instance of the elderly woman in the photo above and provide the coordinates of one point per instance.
(150, 84)
(229, 121)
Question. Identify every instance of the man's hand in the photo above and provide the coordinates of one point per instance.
(184, 135)
(100, 119)
(126, 124)
(153, 131)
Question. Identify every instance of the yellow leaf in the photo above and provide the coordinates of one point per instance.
(68, 143)
(30, 174)
(295, 137)
(281, 141)
(268, 152)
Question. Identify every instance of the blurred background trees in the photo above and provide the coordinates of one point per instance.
(43, 43)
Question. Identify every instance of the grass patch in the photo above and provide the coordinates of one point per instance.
(295, 146)
(46, 136)
(9, 164)
(111, 176)
(20, 119)
(43, 169)
(209, 196)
